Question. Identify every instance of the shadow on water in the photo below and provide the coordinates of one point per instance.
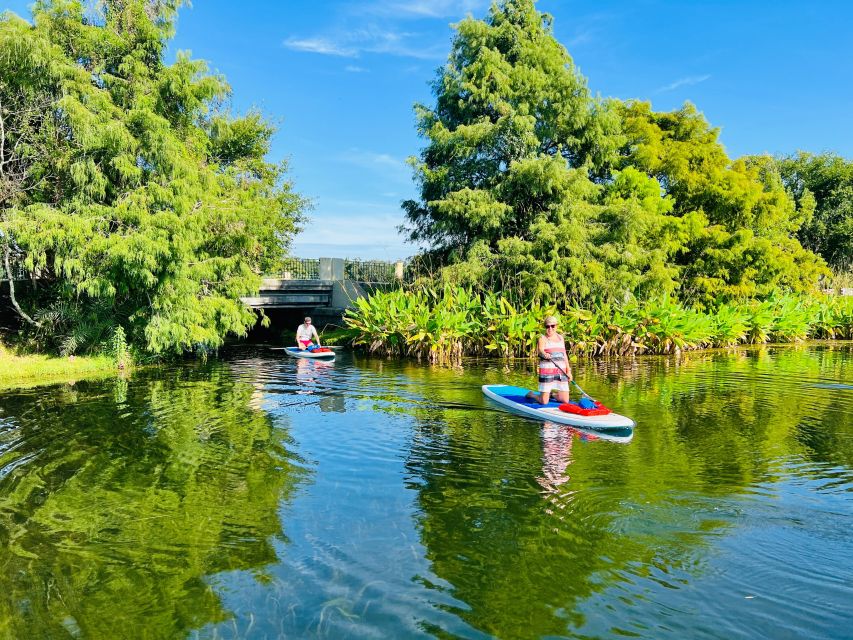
(121, 499)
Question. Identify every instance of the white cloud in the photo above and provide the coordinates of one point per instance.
(354, 69)
(580, 38)
(386, 164)
(324, 46)
(365, 229)
(377, 27)
(370, 39)
(389, 252)
(683, 82)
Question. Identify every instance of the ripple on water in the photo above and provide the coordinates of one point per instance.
(370, 498)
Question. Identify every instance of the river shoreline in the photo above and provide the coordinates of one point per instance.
(33, 370)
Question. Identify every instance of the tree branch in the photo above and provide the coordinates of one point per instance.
(11, 277)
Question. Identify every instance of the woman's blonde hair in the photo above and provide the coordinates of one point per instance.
(551, 320)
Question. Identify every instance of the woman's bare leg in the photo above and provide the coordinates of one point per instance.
(541, 397)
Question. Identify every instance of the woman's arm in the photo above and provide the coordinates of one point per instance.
(568, 364)
(541, 347)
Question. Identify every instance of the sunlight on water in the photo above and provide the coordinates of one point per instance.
(263, 497)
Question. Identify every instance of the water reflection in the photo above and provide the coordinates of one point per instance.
(317, 376)
(557, 442)
(556, 455)
(121, 499)
(624, 521)
(311, 374)
(180, 502)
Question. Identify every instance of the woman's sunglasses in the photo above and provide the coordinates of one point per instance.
(550, 326)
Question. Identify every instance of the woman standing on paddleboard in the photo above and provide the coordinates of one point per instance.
(555, 372)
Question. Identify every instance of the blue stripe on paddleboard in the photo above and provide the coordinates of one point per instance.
(518, 395)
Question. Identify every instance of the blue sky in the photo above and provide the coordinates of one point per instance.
(339, 80)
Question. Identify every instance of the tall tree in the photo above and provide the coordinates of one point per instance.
(744, 225)
(509, 94)
(528, 181)
(511, 177)
(824, 183)
(126, 187)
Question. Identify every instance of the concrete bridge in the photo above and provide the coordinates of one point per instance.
(323, 288)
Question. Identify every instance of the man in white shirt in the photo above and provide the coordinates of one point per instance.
(304, 334)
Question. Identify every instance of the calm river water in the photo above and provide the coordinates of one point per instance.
(263, 497)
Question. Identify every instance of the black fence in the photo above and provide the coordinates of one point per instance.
(299, 269)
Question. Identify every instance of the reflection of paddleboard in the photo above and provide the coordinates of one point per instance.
(296, 352)
(513, 399)
(623, 436)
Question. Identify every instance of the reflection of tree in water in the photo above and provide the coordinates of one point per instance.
(490, 529)
(731, 415)
(709, 428)
(119, 503)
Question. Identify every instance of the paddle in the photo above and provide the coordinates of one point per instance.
(563, 371)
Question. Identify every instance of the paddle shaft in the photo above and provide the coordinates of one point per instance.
(572, 380)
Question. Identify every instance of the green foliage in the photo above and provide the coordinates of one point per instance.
(739, 220)
(132, 194)
(823, 185)
(140, 495)
(440, 324)
(513, 139)
(118, 347)
(72, 326)
(31, 370)
(530, 185)
(445, 324)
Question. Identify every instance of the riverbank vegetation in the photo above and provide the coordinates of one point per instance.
(136, 203)
(636, 225)
(37, 369)
(130, 195)
(445, 324)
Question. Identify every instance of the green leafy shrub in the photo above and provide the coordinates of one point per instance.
(441, 324)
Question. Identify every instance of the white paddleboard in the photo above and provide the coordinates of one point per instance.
(513, 399)
(296, 352)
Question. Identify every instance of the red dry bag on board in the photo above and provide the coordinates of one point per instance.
(573, 407)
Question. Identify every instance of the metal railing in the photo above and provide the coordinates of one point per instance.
(366, 271)
(299, 269)
(370, 271)
(18, 272)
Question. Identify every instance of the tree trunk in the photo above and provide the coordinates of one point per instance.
(11, 277)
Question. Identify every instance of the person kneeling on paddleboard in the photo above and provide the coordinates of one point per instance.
(304, 333)
(555, 372)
